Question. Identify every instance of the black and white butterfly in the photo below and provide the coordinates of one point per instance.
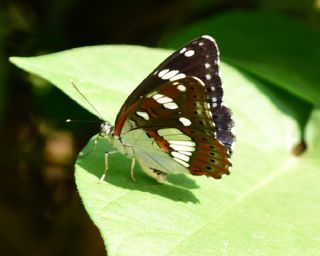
(174, 121)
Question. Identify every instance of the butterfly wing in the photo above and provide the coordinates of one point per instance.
(198, 58)
(171, 130)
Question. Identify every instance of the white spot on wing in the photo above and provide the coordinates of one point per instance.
(185, 121)
(164, 100)
(170, 74)
(189, 53)
(201, 43)
(179, 76)
(161, 99)
(181, 88)
(208, 76)
(188, 153)
(207, 65)
(180, 156)
(170, 105)
(182, 142)
(151, 94)
(182, 148)
(183, 50)
(162, 72)
(181, 162)
(143, 114)
(169, 131)
(157, 96)
(177, 137)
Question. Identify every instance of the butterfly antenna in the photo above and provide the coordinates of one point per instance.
(86, 99)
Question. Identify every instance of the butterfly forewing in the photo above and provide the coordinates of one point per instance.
(198, 58)
(177, 117)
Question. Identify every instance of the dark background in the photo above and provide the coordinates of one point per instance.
(40, 210)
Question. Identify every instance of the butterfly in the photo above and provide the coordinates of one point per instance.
(174, 121)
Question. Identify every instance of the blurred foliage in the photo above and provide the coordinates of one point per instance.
(39, 205)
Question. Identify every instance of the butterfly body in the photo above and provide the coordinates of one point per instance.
(137, 144)
(174, 121)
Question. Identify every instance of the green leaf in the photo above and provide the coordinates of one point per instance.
(269, 205)
(101, 73)
(275, 48)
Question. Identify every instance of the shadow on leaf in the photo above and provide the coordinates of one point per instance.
(177, 187)
(288, 103)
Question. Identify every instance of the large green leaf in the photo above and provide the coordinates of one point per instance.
(269, 205)
(278, 49)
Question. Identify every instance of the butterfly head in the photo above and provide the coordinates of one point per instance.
(106, 129)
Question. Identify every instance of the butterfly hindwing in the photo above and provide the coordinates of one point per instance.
(176, 116)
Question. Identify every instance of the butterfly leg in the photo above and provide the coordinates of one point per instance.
(95, 142)
(133, 162)
(106, 165)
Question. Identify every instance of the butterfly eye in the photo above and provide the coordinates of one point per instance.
(105, 128)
